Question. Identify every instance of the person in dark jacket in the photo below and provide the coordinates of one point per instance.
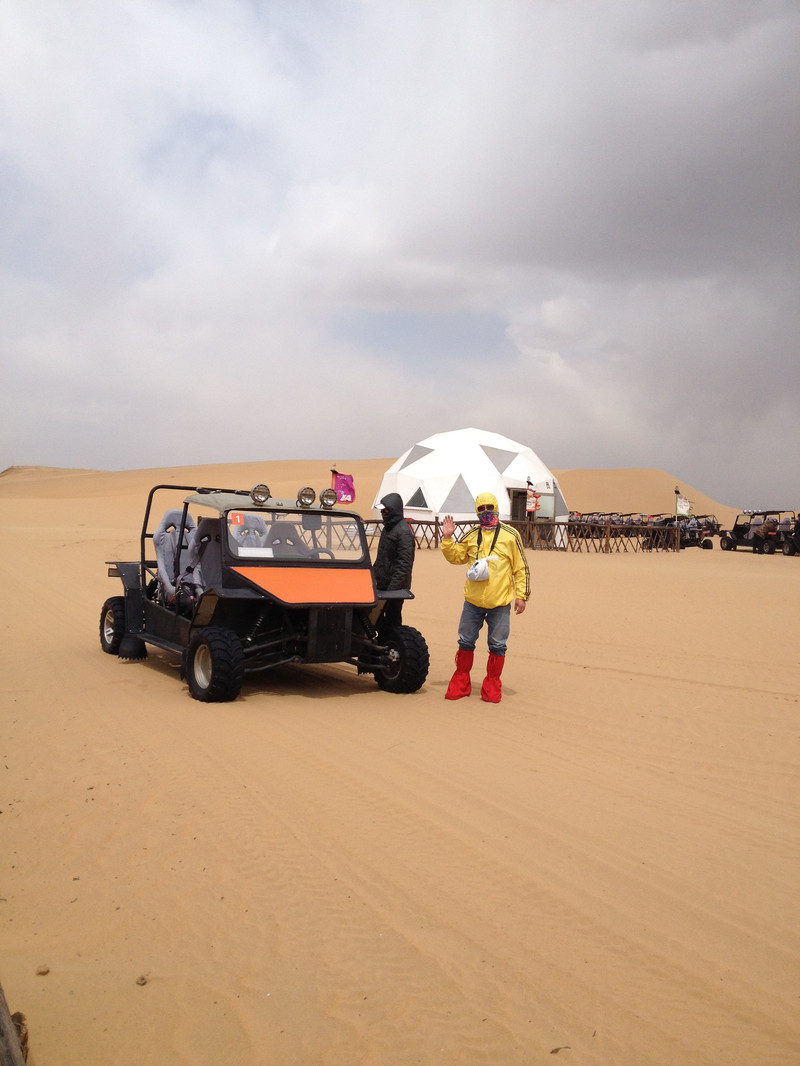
(762, 532)
(395, 558)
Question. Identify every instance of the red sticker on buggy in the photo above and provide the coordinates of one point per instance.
(236, 518)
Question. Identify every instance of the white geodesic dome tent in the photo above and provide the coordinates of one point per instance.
(444, 473)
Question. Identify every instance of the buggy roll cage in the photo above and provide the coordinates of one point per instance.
(149, 567)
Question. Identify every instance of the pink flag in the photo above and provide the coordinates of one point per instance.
(343, 484)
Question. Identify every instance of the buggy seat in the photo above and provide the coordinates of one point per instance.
(165, 542)
(250, 533)
(205, 555)
(286, 542)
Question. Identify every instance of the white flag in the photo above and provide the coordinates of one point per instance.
(682, 506)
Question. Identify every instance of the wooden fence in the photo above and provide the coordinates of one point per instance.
(549, 535)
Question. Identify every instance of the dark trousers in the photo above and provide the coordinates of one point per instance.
(391, 616)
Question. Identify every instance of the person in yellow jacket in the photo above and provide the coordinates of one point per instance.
(498, 576)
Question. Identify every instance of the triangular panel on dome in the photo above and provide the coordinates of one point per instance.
(419, 451)
(560, 502)
(500, 459)
(418, 500)
(459, 499)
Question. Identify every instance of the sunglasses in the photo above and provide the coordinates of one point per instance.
(485, 507)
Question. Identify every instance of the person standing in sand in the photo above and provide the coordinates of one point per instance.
(394, 560)
(498, 576)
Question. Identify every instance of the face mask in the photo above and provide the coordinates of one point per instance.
(488, 519)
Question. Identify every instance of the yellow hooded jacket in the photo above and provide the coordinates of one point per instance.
(509, 577)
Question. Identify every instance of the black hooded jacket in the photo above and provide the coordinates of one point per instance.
(395, 557)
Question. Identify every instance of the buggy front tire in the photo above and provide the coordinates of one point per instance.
(407, 663)
(112, 624)
(215, 665)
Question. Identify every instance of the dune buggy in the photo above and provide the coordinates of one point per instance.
(699, 531)
(237, 582)
(764, 531)
(791, 537)
(696, 531)
(660, 533)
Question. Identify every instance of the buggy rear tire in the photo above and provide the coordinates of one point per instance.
(409, 660)
(707, 545)
(726, 543)
(112, 625)
(788, 548)
(769, 547)
(215, 665)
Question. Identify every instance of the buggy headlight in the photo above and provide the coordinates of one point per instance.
(259, 494)
(306, 497)
(328, 498)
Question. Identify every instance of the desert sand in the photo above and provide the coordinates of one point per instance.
(603, 866)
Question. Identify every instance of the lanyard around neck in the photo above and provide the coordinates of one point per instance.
(494, 540)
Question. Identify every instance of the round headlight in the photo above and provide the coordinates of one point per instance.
(259, 494)
(306, 497)
(328, 498)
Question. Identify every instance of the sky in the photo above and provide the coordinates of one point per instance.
(234, 230)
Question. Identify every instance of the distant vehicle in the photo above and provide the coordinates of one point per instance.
(762, 531)
(660, 533)
(699, 531)
(790, 538)
(246, 582)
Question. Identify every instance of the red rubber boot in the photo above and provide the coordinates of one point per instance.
(492, 687)
(460, 684)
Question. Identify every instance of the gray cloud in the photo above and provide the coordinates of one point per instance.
(331, 229)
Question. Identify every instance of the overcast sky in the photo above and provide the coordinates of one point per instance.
(267, 229)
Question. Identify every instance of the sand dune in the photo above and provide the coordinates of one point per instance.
(605, 863)
(628, 490)
(636, 490)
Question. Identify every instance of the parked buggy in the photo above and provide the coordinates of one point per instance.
(764, 532)
(659, 533)
(699, 531)
(790, 536)
(236, 583)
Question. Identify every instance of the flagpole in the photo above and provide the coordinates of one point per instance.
(683, 508)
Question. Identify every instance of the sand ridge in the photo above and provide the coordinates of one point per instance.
(606, 862)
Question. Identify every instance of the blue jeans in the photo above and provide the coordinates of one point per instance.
(498, 621)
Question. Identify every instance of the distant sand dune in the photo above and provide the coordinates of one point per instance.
(625, 490)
